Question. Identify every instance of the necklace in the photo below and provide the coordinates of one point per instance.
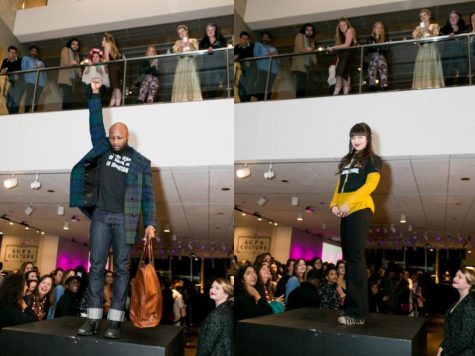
(39, 307)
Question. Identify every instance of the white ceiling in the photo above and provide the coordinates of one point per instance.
(429, 190)
(189, 199)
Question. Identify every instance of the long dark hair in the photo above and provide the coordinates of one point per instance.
(304, 27)
(240, 287)
(359, 158)
(11, 291)
(260, 282)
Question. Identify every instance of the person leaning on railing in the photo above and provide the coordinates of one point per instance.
(35, 80)
(17, 85)
(245, 49)
(265, 80)
(301, 65)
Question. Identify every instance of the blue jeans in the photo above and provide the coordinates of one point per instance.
(108, 228)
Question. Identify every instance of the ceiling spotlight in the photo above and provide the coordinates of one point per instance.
(11, 182)
(409, 228)
(60, 210)
(262, 201)
(270, 174)
(243, 214)
(275, 224)
(29, 210)
(42, 232)
(36, 185)
(66, 226)
(403, 219)
(259, 219)
(167, 228)
(300, 217)
(243, 172)
(294, 201)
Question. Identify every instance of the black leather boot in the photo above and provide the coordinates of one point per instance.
(90, 327)
(113, 330)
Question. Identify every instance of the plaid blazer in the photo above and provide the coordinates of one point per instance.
(85, 178)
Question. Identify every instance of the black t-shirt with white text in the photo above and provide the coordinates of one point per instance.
(114, 169)
(357, 175)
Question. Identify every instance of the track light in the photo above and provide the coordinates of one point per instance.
(243, 172)
(294, 201)
(270, 174)
(29, 210)
(409, 228)
(300, 217)
(11, 182)
(66, 225)
(262, 201)
(36, 185)
(403, 218)
(60, 210)
(275, 224)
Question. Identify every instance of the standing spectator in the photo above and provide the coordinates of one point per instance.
(68, 304)
(352, 203)
(472, 22)
(301, 65)
(245, 49)
(377, 63)
(212, 75)
(298, 276)
(329, 298)
(115, 69)
(186, 83)
(265, 80)
(454, 50)
(68, 79)
(179, 306)
(216, 335)
(39, 301)
(12, 305)
(427, 68)
(108, 283)
(94, 69)
(17, 84)
(345, 38)
(31, 78)
(459, 327)
(149, 84)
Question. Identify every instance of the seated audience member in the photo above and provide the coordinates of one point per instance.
(328, 294)
(12, 305)
(286, 274)
(95, 70)
(298, 276)
(26, 266)
(68, 304)
(216, 335)
(31, 275)
(30, 286)
(306, 295)
(459, 327)
(263, 258)
(317, 270)
(108, 282)
(57, 275)
(39, 301)
(58, 292)
(149, 83)
(248, 303)
(375, 298)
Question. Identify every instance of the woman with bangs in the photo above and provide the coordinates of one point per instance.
(359, 173)
(377, 63)
(345, 38)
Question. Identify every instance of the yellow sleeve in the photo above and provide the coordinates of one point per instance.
(335, 194)
(366, 189)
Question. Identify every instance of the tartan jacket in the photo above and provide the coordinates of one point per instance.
(85, 178)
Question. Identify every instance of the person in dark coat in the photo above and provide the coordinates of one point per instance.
(68, 304)
(12, 305)
(306, 295)
(459, 328)
(216, 334)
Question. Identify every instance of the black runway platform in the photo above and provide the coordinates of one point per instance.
(310, 331)
(58, 337)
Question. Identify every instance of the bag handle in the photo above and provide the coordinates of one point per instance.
(147, 249)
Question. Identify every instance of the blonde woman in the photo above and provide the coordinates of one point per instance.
(186, 84)
(345, 38)
(116, 69)
(377, 63)
(459, 328)
(428, 67)
(217, 331)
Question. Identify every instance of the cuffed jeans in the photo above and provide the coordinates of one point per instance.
(354, 232)
(108, 228)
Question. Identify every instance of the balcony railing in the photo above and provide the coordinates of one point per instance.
(208, 74)
(450, 59)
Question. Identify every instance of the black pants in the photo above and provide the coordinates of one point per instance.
(29, 102)
(354, 231)
(301, 84)
(260, 85)
(67, 96)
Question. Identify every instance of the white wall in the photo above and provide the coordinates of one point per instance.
(260, 14)
(64, 18)
(181, 134)
(47, 251)
(424, 122)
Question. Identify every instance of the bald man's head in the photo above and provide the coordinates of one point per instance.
(118, 136)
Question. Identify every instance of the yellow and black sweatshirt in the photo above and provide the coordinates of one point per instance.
(356, 184)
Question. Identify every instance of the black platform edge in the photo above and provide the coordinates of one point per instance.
(58, 337)
(309, 331)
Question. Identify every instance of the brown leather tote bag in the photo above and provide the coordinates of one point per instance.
(146, 301)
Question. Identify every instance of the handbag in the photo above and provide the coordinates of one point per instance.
(277, 307)
(146, 302)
